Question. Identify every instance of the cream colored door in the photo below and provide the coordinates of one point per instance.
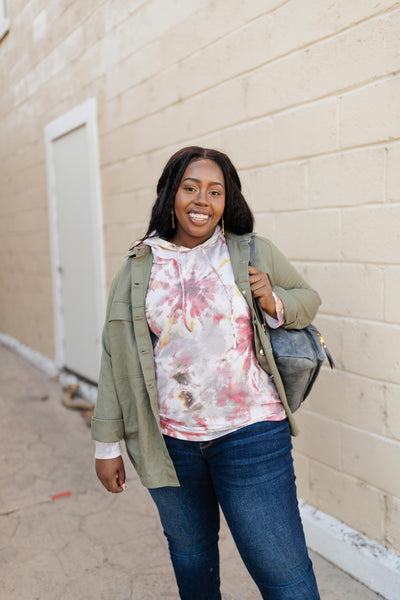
(78, 249)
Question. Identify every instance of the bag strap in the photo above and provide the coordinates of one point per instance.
(257, 307)
(252, 247)
(260, 314)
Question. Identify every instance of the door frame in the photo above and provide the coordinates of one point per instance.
(83, 114)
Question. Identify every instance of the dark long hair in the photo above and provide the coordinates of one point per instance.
(238, 217)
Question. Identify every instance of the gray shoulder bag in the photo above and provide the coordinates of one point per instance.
(297, 353)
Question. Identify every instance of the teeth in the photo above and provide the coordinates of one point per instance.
(198, 216)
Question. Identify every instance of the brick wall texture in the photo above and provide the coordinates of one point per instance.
(304, 96)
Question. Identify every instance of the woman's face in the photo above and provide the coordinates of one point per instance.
(199, 203)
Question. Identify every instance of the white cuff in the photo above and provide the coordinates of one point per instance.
(107, 450)
(271, 322)
(280, 313)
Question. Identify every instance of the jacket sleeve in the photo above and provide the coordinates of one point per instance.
(300, 301)
(107, 422)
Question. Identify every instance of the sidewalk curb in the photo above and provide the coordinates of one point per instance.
(364, 559)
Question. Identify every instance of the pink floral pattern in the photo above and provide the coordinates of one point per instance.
(208, 378)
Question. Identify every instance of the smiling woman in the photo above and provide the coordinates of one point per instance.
(237, 215)
(206, 425)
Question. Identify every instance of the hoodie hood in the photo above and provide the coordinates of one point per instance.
(184, 257)
(166, 249)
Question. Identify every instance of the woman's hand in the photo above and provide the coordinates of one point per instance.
(261, 289)
(111, 472)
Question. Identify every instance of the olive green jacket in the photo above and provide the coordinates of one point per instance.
(127, 405)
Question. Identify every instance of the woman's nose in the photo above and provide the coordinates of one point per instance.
(202, 197)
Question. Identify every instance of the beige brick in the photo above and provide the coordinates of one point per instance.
(327, 66)
(392, 400)
(257, 7)
(128, 36)
(392, 528)
(72, 15)
(319, 437)
(370, 114)
(201, 71)
(371, 234)
(97, 59)
(302, 471)
(119, 238)
(226, 58)
(8, 223)
(371, 349)
(293, 27)
(222, 106)
(276, 188)
(131, 207)
(117, 145)
(349, 399)
(265, 224)
(37, 243)
(152, 95)
(31, 177)
(276, 86)
(371, 458)
(97, 26)
(128, 175)
(32, 221)
(39, 264)
(74, 45)
(115, 13)
(332, 331)
(113, 265)
(223, 34)
(392, 294)
(313, 235)
(249, 144)
(137, 67)
(351, 290)
(33, 198)
(151, 133)
(347, 178)
(210, 140)
(357, 504)
(215, 109)
(393, 173)
(305, 131)
(356, 10)
(218, 19)
(132, 46)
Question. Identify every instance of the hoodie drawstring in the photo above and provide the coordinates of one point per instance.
(228, 295)
(182, 282)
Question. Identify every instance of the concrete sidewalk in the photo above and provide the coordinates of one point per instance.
(89, 545)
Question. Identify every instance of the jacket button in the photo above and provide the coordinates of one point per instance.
(244, 292)
(262, 352)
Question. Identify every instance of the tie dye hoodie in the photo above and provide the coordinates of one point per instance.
(208, 379)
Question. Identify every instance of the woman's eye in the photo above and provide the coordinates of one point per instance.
(189, 188)
(215, 193)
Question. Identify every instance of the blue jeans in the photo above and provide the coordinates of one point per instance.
(249, 473)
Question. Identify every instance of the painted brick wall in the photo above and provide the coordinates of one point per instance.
(304, 96)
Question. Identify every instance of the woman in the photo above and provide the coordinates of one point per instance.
(189, 381)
